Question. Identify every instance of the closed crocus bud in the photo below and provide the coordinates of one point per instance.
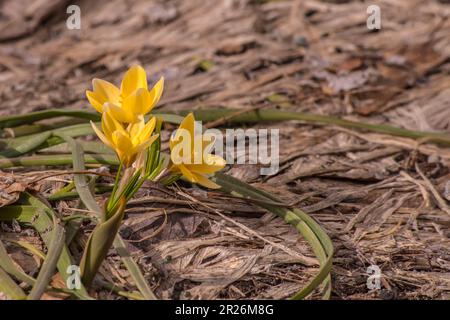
(127, 143)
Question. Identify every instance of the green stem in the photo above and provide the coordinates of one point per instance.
(116, 184)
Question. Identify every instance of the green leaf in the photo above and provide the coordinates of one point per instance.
(49, 265)
(16, 120)
(19, 146)
(9, 288)
(99, 243)
(57, 160)
(311, 231)
(31, 211)
(8, 265)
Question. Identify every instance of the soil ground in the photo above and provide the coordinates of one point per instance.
(383, 200)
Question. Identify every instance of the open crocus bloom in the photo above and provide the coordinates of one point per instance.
(189, 155)
(127, 142)
(129, 103)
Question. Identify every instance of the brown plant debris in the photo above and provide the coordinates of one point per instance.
(384, 200)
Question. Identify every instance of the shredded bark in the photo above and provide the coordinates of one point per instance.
(384, 200)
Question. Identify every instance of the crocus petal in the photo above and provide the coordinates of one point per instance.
(187, 127)
(138, 102)
(204, 181)
(147, 130)
(134, 79)
(188, 124)
(211, 164)
(144, 145)
(207, 142)
(135, 128)
(93, 100)
(198, 149)
(186, 173)
(122, 142)
(108, 126)
(154, 95)
(121, 114)
(105, 91)
(109, 123)
(101, 135)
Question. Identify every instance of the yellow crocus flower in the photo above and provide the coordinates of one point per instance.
(129, 103)
(189, 155)
(127, 142)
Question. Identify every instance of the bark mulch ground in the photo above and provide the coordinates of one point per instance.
(383, 200)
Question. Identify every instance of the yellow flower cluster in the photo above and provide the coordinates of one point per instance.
(124, 129)
(123, 110)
